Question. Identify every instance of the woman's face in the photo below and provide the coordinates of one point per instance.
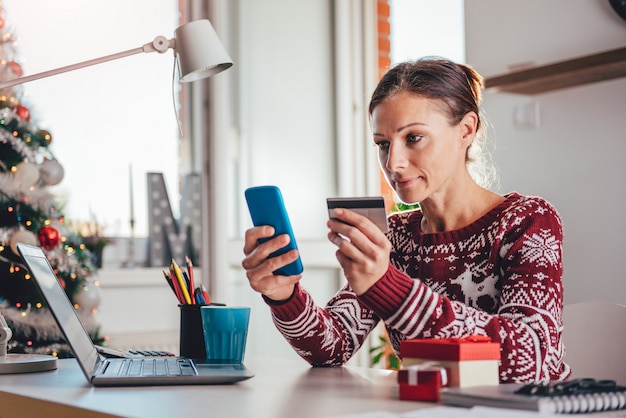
(421, 155)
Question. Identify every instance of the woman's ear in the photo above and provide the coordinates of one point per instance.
(468, 127)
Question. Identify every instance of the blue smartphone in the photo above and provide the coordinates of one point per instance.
(267, 207)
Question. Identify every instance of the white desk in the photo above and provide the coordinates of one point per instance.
(279, 389)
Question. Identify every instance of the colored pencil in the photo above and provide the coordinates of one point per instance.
(181, 281)
(205, 293)
(192, 286)
(173, 284)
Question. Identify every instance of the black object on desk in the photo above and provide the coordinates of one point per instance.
(191, 333)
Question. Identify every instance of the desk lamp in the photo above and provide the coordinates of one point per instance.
(199, 54)
(197, 48)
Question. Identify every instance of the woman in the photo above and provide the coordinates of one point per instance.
(468, 261)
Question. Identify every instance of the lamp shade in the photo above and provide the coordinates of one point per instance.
(199, 51)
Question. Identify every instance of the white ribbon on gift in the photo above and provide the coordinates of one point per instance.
(412, 372)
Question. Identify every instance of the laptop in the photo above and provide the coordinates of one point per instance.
(102, 371)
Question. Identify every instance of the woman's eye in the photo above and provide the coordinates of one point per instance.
(383, 145)
(413, 137)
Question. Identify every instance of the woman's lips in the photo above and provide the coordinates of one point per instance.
(401, 183)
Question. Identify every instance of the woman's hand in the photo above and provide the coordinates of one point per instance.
(259, 268)
(363, 249)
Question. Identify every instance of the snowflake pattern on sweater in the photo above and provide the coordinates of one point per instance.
(501, 276)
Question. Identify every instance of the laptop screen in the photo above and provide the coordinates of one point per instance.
(61, 308)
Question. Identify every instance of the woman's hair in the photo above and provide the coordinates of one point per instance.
(457, 88)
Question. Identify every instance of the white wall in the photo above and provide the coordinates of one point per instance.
(575, 158)
(285, 119)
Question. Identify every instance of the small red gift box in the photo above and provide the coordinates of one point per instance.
(471, 361)
(422, 382)
(474, 347)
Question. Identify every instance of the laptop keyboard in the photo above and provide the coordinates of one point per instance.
(151, 353)
(160, 366)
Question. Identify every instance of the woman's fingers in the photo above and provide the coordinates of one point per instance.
(260, 267)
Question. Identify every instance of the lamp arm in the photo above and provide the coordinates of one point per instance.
(159, 44)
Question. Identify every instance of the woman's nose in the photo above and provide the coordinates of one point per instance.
(396, 157)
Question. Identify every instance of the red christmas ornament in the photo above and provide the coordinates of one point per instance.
(61, 282)
(48, 237)
(16, 68)
(22, 112)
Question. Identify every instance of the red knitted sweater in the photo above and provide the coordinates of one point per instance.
(499, 276)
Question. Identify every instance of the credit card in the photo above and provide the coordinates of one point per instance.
(371, 207)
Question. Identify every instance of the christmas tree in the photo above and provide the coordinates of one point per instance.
(30, 213)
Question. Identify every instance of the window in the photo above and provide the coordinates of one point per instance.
(106, 118)
(422, 27)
